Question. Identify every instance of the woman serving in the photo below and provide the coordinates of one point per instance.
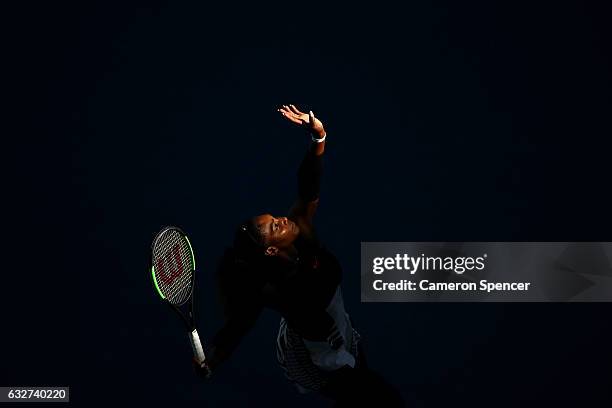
(280, 263)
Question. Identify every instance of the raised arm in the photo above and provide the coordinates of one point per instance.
(310, 170)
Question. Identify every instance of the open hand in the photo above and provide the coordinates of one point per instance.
(306, 120)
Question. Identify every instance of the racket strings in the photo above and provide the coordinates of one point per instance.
(177, 290)
(181, 287)
(170, 246)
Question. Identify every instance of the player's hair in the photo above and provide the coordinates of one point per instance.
(246, 260)
(248, 241)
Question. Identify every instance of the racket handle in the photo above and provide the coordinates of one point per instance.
(198, 350)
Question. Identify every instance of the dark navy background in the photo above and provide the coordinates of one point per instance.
(446, 121)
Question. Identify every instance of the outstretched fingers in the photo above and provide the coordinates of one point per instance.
(291, 118)
(286, 112)
(296, 110)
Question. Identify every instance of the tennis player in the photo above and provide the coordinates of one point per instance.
(280, 263)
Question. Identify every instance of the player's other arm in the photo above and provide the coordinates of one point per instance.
(241, 308)
(237, 325)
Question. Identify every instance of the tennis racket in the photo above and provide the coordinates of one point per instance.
(173, 272)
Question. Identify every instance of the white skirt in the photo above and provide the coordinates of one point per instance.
(308, 364)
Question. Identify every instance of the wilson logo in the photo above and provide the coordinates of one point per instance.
(167, 270)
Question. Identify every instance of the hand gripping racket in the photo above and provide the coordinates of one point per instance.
(173, 271)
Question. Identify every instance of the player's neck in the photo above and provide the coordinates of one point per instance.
(290, 254)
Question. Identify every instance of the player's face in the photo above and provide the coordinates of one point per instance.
(277, 231)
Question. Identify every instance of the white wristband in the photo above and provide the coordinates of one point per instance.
(314, 139)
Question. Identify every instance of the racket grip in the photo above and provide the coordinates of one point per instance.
(198, 350)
